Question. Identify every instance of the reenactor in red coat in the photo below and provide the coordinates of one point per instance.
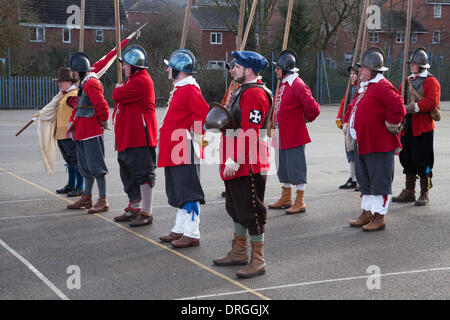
(135, 127)
(244, 163)
(179, 150)
(351, 182)
(374, 120)
(422, 97)
(294, 106)
(86, 126)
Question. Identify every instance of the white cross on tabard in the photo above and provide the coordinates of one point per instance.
(255, 116)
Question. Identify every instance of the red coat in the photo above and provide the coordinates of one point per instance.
(380, 103)
(421, 122)
(341, 107)
(86, 128)
(135, 104)
(295, 104)
(186, 107)
(253, 102)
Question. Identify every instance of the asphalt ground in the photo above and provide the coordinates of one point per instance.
(313, 255)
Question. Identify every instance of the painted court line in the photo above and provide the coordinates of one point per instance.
(301, 284)
(44, 279)
(199, 264)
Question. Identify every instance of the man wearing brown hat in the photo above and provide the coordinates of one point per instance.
(68, 100)
(422, 97)
(374, 120)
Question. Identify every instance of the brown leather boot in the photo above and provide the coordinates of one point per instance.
(257, 265)
(129, 215)
(377, 223)
(100, 206)
(171, 237)
(363, 219)
(85, 201)
(285, 201)
(425, 185)
(142, 219)
(409, 193)
(185, 242)
(299, 204)
(237, 256)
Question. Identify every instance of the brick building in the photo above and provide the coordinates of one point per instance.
(56, 23)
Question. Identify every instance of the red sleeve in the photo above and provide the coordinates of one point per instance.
(133, 90)
(72, 102)
(349, 108)
(311, 109)
(431, 95)
(94, 91)
(199, 108)
(395, 110)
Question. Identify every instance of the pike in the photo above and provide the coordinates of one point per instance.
(271, 124)
(361, 31)
(240, 46)
(100, 67)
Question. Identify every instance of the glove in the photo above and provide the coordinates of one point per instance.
(37, 114)
(192, 207)
(410, 107)
(339, 123)
(393, 128)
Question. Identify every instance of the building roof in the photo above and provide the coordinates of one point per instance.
(97, 12)
(215, 18)
(438, 1)
(154, 6)
(397, 22)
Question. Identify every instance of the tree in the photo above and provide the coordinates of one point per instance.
(10, 16)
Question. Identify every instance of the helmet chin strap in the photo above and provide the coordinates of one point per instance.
(175, 73)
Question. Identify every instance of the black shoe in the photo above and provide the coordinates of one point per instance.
(357, 188)
(66, 189)
(350, 184)
(224, 194)
(75, 193)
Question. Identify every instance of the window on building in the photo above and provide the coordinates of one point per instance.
(374, 37)
(348, 57)
(37, 34)
(400, 38)
(98, 35)
(66, 35)
(216, 38)
(216, 65)
(414, 37)
(437, 10)
(436, 36)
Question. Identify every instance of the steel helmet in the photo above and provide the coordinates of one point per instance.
(135, 56)
(286, 61)
(420, 57)
(373, 59)
(80, 62)
(182, 60)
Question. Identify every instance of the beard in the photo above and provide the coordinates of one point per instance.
(240, 79)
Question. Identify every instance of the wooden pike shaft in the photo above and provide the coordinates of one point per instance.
(407, 43)
(241, 24)
(83, 10)
(361, 30)
(187, 16)
(118, 47)
(249, 25)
